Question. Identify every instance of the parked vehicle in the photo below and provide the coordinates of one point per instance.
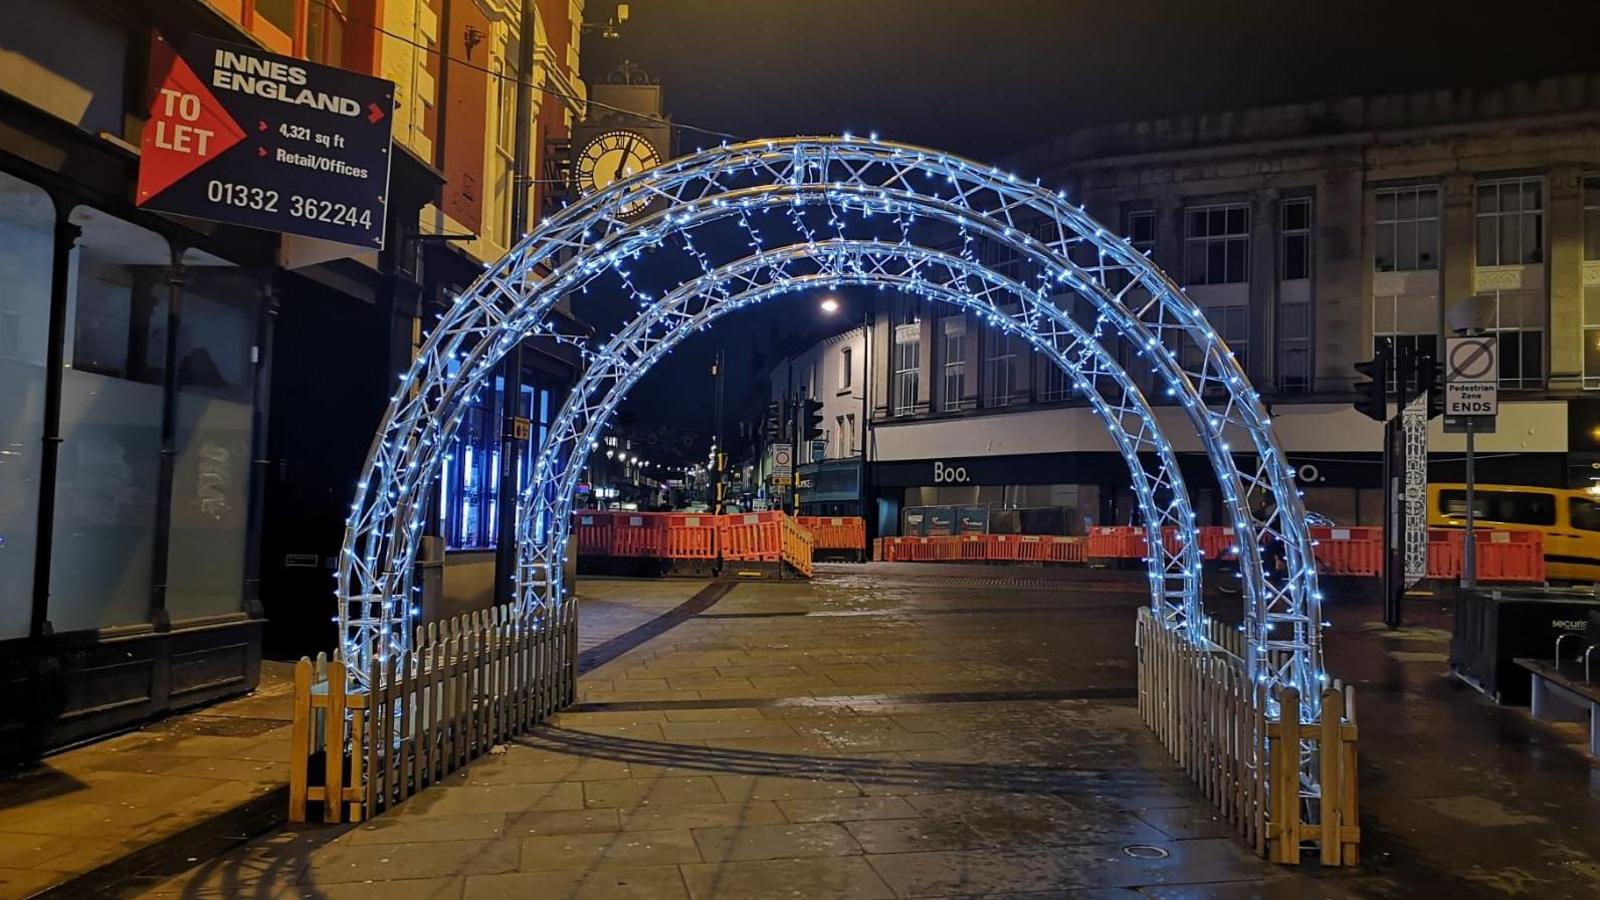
(1569, 521)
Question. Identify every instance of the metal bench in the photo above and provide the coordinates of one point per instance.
(1563, 690)
(1563, 693)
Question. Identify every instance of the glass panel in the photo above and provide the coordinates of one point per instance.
(1238, 220)
(1238, 261)
(1532, 239)
(1216, 262)
(1383, 248)
(211, 476)
(1488, 241)
(1488, 199)
(1584, 514)
(1428, 244)
(1405, 253)
(1591, 234)
(279, 12)
(1386, 205)
(1510, 243)
(1532, 196)
(1427, 203)
(27, 224)
(1406, 206)
(111, 426)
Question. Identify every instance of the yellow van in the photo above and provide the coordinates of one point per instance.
(1569, 521)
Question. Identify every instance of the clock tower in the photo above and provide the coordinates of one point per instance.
(624, 133)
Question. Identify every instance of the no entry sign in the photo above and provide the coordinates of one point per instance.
(252, 138)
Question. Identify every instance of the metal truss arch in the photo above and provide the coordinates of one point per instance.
(854, 180)
(1173, 551)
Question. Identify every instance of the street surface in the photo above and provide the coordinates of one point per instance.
(931, 731)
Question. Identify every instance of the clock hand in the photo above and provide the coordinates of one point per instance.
(623, 162)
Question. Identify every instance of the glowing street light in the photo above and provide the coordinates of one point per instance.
(830, 305)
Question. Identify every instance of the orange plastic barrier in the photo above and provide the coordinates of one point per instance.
(1066, 550)
(797, 545)
(752, 536)
(972, 547)
(1346, 533)
(1218, 542)
(836, 532)
(638, 534)
(1503, 556)
(593, 530)
(1117, 542)
(691, 536)
(1349, 557)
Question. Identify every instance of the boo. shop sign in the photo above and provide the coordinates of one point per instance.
(252, 138)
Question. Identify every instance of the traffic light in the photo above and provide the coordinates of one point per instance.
(1430, 384)
(811, 420)
(1372, 396)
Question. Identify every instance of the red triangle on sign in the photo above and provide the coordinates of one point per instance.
(188, 127)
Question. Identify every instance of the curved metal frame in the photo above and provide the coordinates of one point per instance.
(853, 179)
(542, 531)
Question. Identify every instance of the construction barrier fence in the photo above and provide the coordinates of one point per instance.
(769, 537)
(1505, 557)
(836, 532)
(1284, 785)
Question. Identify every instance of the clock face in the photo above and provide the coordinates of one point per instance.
(614, 155)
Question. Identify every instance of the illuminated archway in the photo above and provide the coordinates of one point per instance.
(836, 210)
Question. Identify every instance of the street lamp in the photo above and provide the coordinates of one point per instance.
(830, 305)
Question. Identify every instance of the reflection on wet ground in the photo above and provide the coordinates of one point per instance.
(912, 730)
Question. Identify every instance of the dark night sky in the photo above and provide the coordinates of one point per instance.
(988, 77)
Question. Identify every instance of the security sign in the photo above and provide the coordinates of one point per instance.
(1471, 376)
(251, 138)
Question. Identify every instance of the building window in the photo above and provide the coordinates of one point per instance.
(1295, 216)
(111, 415)
(850, 431)
(504, 140)
(1511, 233)
(844, 369)
(1591, 217)
(906, 358)
(325, 27)
(954, 383)
(1406, 229)
(1053, 383)
(27, 226)
(1141, 228)
(1511, 222)
(1232, 324)
(469, 480)
(1294, 347)
(999, 367)
(1217, 244)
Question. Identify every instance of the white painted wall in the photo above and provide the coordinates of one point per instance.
(1532, 426)
(819, 373)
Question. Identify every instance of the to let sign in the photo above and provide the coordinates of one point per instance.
(252, 138)
(1471, 376)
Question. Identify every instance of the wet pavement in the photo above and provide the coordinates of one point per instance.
(920, 730)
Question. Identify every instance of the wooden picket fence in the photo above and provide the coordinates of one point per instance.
(1281, 783)
(468, 684)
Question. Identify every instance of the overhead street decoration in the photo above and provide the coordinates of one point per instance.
(247, 137)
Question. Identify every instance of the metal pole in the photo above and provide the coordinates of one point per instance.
(866, 411)
(719, 459)
(511, 369)
(1469, 543)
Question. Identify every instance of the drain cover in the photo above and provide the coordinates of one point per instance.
(1145, 851)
